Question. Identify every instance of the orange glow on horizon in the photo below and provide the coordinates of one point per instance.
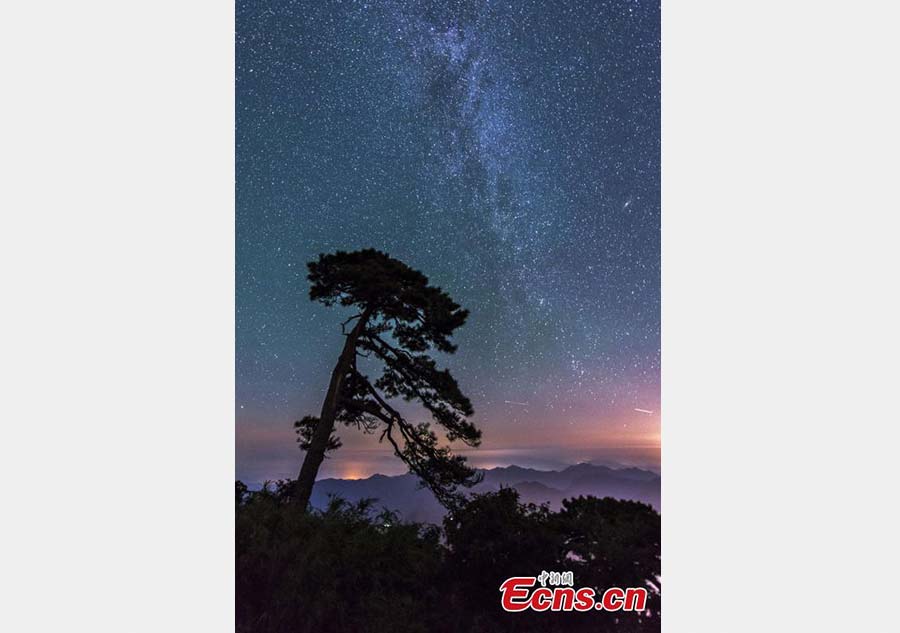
(354, 470)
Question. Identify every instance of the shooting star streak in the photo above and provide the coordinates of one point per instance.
(521, 404)
(644, 411)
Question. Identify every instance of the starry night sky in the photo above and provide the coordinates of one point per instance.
(508, 150)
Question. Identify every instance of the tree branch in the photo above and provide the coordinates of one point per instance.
(344, 324)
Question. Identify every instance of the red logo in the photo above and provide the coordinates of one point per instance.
(519, 594)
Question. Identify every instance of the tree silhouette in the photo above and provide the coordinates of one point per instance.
(399, 318)
(611, 542)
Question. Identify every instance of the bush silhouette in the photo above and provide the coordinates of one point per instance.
(354, 567)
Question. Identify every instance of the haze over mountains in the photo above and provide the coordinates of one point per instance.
(403, 494)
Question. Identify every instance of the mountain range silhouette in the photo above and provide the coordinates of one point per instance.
(402, 493)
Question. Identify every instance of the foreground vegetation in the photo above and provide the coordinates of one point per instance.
(352, 568)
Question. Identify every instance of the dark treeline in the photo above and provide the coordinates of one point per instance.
(352, 568)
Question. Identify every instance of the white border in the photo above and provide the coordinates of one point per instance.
(117, 321)
(780, 317)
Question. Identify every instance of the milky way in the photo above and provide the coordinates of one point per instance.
(508, 150)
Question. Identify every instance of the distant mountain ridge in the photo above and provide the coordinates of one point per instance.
(402, 493)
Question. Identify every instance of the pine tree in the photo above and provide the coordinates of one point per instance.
(399, 318)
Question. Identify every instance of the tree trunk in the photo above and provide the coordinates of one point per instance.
(316, 452)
